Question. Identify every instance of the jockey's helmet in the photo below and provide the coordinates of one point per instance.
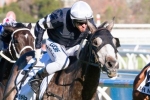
(9, 19)
(80, 12)
(11, 14)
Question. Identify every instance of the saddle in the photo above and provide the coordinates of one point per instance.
(29, 71)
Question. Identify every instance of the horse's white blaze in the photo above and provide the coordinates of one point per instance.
(107, 54)
(26, 36)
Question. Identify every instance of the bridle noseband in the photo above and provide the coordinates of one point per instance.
(14, 48)
(93, 57)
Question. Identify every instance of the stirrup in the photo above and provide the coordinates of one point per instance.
(35, 85)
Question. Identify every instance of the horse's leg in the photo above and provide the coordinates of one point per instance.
(10, 84)
(1, 90)
(2, 69)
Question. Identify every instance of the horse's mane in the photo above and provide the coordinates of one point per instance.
(19, 25)
(106, 24)
(102, 25)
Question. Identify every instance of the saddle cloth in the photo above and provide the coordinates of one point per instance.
(144, 87)
(24, 92)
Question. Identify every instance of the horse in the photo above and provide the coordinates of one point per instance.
(141, 84)
(19, 40)
(79, 81)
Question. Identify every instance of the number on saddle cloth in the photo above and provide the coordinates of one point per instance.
(144, 86)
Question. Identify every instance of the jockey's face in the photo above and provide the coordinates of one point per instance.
(81, 26)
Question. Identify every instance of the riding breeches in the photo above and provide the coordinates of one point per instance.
(59, 56)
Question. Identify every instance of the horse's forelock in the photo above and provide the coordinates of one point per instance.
(102, 25)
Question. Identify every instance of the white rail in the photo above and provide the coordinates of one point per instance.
(124, 80)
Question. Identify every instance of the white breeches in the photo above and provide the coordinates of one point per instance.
(59, 56)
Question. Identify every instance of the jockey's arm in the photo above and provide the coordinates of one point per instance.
(50, 21)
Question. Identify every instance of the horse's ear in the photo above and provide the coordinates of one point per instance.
(111, 24)
(117, 42)
(104, 24)
(91, 27)
(29, 26)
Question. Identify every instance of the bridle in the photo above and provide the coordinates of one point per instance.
(90, 61)
(12, 43)
(93, 57)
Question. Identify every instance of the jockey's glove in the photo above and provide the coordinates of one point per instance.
(38, 54)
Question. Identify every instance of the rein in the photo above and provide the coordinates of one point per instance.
(20, 82)
(11, 42)
(92, 50)
(95, 63)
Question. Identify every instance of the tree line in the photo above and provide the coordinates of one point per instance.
(133, 12)
(30, 10)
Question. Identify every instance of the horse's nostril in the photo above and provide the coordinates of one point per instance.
(109, 64)
(114, 70)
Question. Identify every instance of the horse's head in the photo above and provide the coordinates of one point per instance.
(104, 48)
(22, 40)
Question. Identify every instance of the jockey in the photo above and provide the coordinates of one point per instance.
(9, 20)
(66, 28)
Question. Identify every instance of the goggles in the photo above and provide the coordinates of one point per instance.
(79, 22)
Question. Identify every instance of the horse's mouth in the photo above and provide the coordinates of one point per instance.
(111, 69)
(112, 74)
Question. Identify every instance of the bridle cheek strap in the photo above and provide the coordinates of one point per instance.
(13, 45)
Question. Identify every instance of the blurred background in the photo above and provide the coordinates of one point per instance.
(132, 27)
(125, 11)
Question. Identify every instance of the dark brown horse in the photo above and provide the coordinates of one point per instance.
(19, 40)
(80, 80)
(141, 85)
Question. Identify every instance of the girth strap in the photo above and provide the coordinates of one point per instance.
(54, 95)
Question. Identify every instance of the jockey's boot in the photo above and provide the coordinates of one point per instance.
(36, 80)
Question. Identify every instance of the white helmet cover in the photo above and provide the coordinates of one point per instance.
(81, 11)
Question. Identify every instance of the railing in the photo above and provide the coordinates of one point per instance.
(133, 56)
(124, 79)
(136, 34)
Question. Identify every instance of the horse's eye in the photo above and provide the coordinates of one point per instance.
(97, 41)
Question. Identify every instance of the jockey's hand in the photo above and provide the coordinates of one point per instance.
(38, 54)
